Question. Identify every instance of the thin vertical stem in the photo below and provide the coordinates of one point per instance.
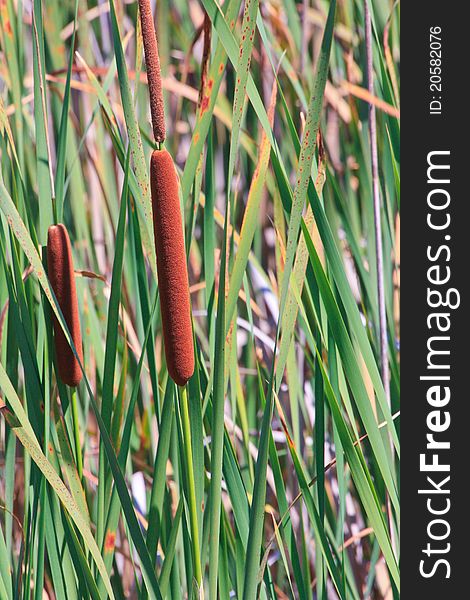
(376, 200)
(191, 489)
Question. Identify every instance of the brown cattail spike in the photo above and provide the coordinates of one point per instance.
(154, 77)
(62, 278)
(171, 268)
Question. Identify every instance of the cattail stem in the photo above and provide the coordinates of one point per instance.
(171, 268)
(192, 503)
(62, 277)
(76, 433)
(154, 76)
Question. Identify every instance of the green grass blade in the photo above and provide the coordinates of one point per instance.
(217, 429)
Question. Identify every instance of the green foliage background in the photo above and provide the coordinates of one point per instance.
(275, 473)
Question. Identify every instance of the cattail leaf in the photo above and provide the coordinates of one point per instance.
(170, 549)
(257, 508)
(68, 464)
(62, 143)
(214, 79)
(3, 590)
(107, 401)
(159, 483)
(218, 403)
(221, 25)
(242, 70)
(293, 300)
(250, 216)
(5, 128)
(57, 539)
(210, 240)
(114, 302)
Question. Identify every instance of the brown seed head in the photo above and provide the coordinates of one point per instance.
(61, 275)
(154, 77)
(171, 268)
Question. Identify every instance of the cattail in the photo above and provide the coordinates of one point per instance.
(62, 278)
(171, 268)
(167, 224)
(152, 62)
